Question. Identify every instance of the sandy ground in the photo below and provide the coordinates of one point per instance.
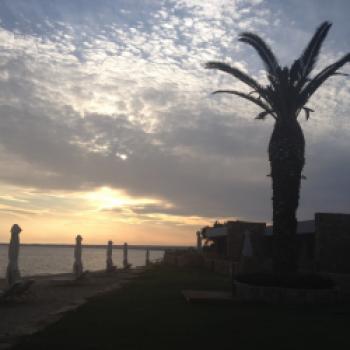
(49, 297)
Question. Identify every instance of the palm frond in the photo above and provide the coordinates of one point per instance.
(302, 67)
(320, 78)
(248, 97)
(237, 73)
(263, 50)
(307, 111)
(341, 74)
(262, 115)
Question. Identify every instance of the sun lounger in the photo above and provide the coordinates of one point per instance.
(112, 268)
(16, 290)
(83, 276)
(70, 281)
(207, 296)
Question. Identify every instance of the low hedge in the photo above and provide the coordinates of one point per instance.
(299, 281)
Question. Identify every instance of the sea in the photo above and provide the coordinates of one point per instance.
(43, 260)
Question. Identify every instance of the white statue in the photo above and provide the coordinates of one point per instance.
(109, 262)
(125, 256)
(78, 264)
(12, 273)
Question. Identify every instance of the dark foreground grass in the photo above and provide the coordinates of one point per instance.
(150, 313)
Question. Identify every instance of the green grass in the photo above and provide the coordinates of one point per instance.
(150, 313)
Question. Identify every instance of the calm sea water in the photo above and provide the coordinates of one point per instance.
(46, 260)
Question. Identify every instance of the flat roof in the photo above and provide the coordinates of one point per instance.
(213, 232)
(304, 227)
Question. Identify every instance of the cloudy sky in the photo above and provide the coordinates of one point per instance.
(108, 129)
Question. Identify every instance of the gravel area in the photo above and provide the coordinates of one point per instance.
(50, 297)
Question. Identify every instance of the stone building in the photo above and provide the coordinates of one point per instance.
(323, 243)
(226, 240)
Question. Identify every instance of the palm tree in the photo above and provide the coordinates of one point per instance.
(283, 98)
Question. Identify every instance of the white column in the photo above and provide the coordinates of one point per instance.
(12, 273)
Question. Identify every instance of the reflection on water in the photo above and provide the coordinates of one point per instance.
(43, 260)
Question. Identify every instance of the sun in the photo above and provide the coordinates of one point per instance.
(107, 198)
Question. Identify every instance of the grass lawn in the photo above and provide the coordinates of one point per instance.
(150, 313)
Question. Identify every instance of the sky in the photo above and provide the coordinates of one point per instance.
(108, 128)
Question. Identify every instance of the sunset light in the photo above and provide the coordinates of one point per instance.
(107, 122)
(107, 198)
(174, 174)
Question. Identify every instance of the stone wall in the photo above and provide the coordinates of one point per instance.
(191, 258)
(183, 258)
(332, 242)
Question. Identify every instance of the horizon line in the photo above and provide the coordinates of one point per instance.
(154, 246)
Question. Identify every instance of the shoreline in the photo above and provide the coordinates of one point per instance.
(103, 246)
(51, 296)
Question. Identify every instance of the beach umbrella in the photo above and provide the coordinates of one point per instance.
(109, 261)
(245, 265)
(125, 256)
(78, 265)
(247, 250)
(12, 273)
(199, 241)
(147, 257)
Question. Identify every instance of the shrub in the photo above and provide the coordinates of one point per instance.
(300, 281)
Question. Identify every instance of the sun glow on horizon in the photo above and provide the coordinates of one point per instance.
(99, 215)
(107, 198)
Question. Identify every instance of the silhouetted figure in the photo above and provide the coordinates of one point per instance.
(12, 273)
(78, 264)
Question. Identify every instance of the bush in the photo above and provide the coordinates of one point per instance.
(299, 281)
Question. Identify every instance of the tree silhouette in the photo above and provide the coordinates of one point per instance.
(284, 97)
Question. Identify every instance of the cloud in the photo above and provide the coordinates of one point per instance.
(121, 100)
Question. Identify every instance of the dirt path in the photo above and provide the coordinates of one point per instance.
(50, 297)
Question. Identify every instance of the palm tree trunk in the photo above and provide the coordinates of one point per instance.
(286, 154)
